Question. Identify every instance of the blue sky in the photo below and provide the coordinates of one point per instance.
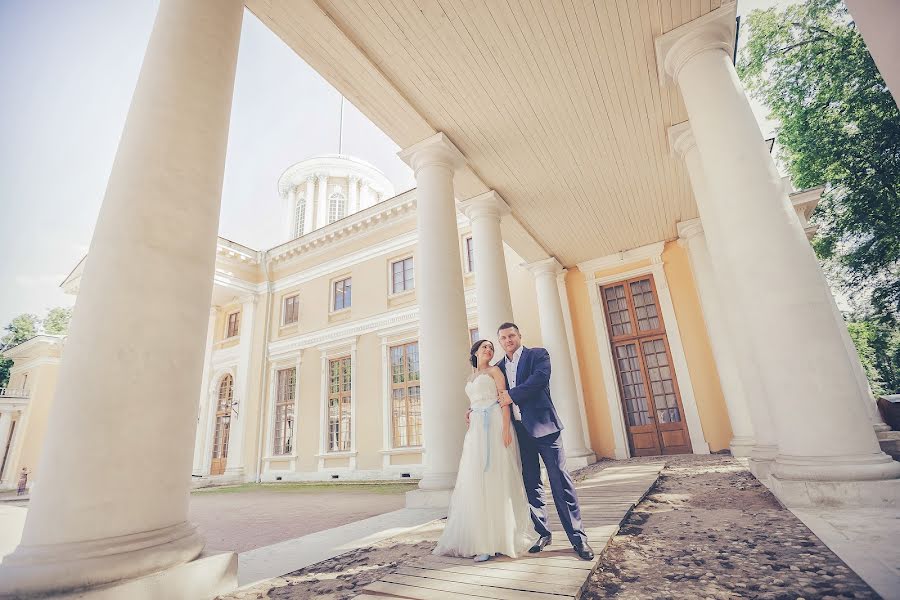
(68, 70)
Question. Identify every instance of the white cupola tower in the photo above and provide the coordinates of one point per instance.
(327, 188)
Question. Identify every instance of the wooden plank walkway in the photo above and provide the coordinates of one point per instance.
(554, 574)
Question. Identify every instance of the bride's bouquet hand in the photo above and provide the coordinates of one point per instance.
(507, 436)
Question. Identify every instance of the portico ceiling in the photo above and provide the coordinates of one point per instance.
(556, 103)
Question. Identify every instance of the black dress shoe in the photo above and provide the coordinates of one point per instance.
(584, 552)
(542, 543)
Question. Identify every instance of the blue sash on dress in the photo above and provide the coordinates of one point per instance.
(486, 427)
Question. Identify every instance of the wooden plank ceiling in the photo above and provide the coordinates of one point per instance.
(556, 103)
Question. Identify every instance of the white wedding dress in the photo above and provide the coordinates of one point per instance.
(489, 511)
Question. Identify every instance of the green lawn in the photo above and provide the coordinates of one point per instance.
(311, 487)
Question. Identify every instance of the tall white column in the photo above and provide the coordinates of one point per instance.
(308, 208)
(242, 389)
(443, 331)
(491, 279)
(290, 213)
(112, 503)
(204, 404)
(353, 194)
(823, 432)
(691, 234)
(765, 448)
(563, 388)
(322, 202)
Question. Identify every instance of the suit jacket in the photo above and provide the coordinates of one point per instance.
(532, 392)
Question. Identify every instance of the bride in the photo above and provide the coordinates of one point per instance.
(489, 512)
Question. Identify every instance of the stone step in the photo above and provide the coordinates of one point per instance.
(890, 443)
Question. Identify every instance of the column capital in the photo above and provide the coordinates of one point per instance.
(547, 266)
(322, 177)
(353, 177)
(681, 138)
(488, 204)
(712, 31)
(310, 179)
(435, 150)
(688, 230)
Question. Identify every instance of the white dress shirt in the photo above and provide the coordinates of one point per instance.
(512, 366)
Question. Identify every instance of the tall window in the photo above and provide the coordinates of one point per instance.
(406, 402)
(300, 216)
(291, 310)
(470, 255)
(473, 335)
(285, 386)
(223, 424)
(341, 290)
(337, 207)
(234, 324)
(339, 404)
(403, 276)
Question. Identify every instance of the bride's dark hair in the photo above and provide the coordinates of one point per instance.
(472, 353)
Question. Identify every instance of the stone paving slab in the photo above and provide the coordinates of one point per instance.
(554, 574)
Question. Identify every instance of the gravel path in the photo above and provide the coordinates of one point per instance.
(707, 530)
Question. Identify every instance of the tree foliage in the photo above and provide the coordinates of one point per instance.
(57, 320)
(839, 126)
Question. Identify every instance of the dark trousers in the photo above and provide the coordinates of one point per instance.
(549, 449)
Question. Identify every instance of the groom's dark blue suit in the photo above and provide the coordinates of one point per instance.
(538, 433)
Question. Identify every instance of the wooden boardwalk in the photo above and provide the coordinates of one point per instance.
(554, 574)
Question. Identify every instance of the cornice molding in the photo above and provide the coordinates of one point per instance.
(712, 31)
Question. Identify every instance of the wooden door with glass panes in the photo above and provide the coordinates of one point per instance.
(223, 426)
(651, 402)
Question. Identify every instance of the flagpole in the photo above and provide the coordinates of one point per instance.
(341, 129)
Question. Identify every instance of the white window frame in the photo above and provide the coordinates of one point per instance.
(465, 248)
(284, 300)
(282, 362)
(392, 293)
(300, 216)
(329, 352)
(331, 309)
(389, 338)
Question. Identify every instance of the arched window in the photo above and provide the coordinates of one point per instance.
(337, 207)
(300, 216)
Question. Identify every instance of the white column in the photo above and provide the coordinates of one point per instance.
(823, 431)
(204, 404)
(308, 208)
(242, 389)
(765, 447)
(365, 194)
(691, 234)
(443, 332)
(290, 221)
(322, 202)
(353, 194)
(491, 279)
(563, 388)
(112, 503)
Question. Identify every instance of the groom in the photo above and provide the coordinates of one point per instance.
(527, 372)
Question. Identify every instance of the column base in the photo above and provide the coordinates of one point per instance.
(437, 481)
(741, 446)
(428, 498)
(872, 466)
(761, 458)
(579, 459)
(44, 570)
(881, 427)
(836, 494)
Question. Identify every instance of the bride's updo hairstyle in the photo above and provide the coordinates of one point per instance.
(473, 358)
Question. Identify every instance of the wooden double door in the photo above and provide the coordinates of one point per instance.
(651, 402)
(222, 432)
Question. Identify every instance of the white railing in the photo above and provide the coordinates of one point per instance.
(11, 393)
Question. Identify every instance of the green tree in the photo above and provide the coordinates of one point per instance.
(57, 321)
(839, 126)
(21, 328)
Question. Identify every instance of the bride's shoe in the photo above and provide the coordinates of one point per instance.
(482, 557)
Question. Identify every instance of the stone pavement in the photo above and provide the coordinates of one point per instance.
(554, 574)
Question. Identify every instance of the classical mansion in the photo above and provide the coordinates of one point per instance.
(606, 187)
(311, 363)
